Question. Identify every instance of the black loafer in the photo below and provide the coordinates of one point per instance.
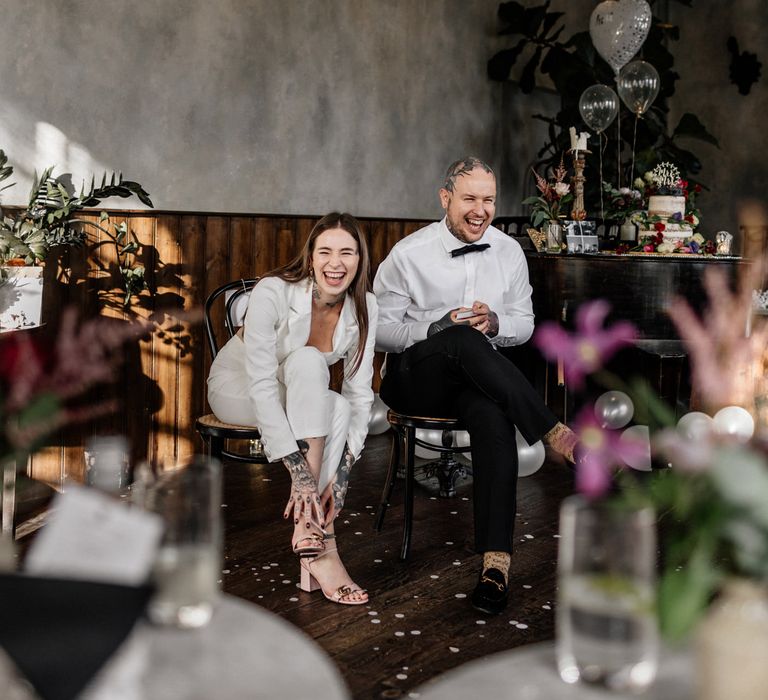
(491, 592)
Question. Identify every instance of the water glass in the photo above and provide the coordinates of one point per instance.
(554, 232)
(188, 563)
(606, 627)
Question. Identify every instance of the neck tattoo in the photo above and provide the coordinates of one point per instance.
(329, 304)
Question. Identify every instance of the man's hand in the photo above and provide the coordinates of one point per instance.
(479, 317)
(486, 321)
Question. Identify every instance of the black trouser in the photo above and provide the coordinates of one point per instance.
(457, 373)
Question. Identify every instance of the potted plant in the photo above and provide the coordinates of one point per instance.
(48, 221)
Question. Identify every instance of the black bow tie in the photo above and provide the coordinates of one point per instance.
(471, 248)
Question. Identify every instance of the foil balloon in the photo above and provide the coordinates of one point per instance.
(734, 421)
(618, 29)
(598, 106)
(639, 434)
(529, 457)
(695, 426)
(377, 420)
(638, 86)
(614, 409)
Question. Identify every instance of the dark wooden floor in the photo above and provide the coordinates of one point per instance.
(418, 622)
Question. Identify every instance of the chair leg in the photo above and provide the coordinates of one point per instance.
(410, 457)
(389, 484)
(215, 447)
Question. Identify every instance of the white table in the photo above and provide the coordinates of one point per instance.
(529, 673)
(244, 652)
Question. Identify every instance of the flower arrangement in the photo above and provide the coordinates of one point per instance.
(711, 496)
(623, 202)
(41, 386)
(555, 193)
(696, 244)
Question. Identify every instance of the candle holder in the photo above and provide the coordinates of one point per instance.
(578, 212)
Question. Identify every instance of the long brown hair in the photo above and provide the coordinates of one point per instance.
(299, 269)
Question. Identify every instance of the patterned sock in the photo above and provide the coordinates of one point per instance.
(563, 440)
(498, 560)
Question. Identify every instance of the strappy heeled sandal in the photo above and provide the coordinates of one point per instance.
(342, 595)
(310, 545)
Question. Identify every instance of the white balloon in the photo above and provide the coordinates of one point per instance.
(639, 434)
(735, 421)
(529, 457)
(433, 436)
(695, 425)
(614, 409)
(618, 29)
(461, 439)
(377, 419)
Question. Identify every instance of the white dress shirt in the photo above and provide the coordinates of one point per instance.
(419, 282)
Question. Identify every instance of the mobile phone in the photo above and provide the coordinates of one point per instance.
(463, 315)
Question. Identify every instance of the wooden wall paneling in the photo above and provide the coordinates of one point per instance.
(242, 248)
(264, 246)
(165, 352)
(377, 242)
(286, 246)
(138, 395)
(192, 354)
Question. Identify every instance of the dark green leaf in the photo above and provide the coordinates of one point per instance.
(528, 77)
(689, 125)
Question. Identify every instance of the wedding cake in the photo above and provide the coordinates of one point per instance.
(671, 211)
(666, 208)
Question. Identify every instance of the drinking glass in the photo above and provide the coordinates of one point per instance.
(554, 237)
(606, 628)
(188, 562)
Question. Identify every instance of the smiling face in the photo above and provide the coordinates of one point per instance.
(470, 207)
(335, 260)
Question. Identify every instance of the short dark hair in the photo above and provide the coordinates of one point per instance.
(464, 166)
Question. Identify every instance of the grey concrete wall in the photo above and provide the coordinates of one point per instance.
(291, 106)
(737, 172)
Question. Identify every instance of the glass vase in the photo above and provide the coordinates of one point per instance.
(606, 627)
(554, 231)
(731, 645)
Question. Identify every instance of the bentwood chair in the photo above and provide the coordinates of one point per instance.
(404, 443)
(213, 431)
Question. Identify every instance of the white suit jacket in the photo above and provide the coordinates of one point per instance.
(277, 323)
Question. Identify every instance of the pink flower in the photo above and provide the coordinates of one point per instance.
(648, 248)
(601, 451)
(589, 347)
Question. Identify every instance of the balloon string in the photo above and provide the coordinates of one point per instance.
(634, 141)
(618, 147)
(601, 149)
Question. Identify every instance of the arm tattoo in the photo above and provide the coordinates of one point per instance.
(493, 326)
(299, 469)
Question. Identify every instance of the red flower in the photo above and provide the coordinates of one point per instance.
(697, 188)
(689, 218)
(659, 226)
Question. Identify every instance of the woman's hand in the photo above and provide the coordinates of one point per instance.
(304, 499)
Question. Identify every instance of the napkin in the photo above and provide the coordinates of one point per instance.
(60, 632)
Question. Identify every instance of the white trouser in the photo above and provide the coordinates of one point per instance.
(312, 409)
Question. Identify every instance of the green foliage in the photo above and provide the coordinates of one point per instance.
(573, 65)
(48, 221)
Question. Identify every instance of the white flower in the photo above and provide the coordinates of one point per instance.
(695, 221)
(648, 177)
(697, 237)
(665, 247)
(562, 188)
(639, 183)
